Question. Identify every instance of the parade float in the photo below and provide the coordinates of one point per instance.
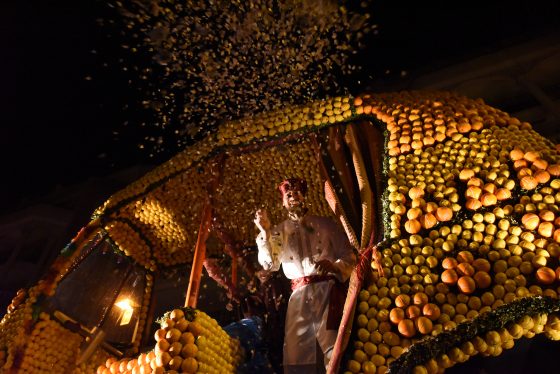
(451, 205)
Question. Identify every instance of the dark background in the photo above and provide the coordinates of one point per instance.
(61, 107)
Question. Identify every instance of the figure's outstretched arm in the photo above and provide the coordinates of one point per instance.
(267, 245)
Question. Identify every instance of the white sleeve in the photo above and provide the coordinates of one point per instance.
(268, 253)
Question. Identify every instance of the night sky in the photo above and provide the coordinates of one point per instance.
(61, 105)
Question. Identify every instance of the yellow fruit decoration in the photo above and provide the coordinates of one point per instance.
(459, 177)
(499, 164)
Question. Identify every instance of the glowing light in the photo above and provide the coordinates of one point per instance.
(127, 307)
(125, 304)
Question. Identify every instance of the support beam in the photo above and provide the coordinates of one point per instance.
(215, 172)
(199, 255)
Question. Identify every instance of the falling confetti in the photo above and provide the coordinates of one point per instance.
(213, 61)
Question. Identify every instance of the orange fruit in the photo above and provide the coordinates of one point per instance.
(186, 338)
(464, 268)
(431, 311)
(413, 311)
(444, 214)
(528, 183)
(516, 154)
(545, 275)
(428, 220)
(420, 299)
(412, 226)
(466, 284)
(189, 365)
(424, 325)
(396, 315)
(449, 263)
(402, 301)
(473, 204)
(416, 192)
(449, 277)
(406, 328)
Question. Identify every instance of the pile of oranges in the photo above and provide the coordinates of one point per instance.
(189, 341)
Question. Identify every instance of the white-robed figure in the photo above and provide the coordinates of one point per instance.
(315, 254)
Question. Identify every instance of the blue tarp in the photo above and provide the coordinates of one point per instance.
(249, 331)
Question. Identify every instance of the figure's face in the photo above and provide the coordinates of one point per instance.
(293, 200)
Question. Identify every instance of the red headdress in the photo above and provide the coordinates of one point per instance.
(293, 184)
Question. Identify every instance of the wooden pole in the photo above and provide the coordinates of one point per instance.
(204, 230)
(357, 276)
(199, 256)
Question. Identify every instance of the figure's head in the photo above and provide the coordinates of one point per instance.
(293, 192)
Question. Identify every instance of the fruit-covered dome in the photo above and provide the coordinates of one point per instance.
(457, 201)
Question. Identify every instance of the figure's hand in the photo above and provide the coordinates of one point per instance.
(262, 221)
(325, 267)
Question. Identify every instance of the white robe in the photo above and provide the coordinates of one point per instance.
(297, 247)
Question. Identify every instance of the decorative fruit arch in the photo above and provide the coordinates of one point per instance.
(452, 206)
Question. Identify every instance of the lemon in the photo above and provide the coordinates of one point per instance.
(360, 356)
(369, 368)
(363, 335)
(354, 366)
(362, 320)
(378, 360)
(370, 348)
